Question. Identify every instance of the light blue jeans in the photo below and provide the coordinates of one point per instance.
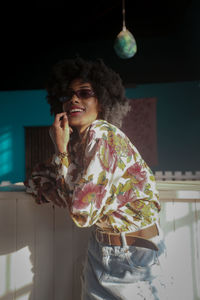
(124, 273)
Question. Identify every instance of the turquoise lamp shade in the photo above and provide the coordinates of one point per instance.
(125, 44)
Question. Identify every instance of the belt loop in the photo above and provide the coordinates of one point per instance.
(160, 231)
(123, 238)
(158, 227)
(109, 241)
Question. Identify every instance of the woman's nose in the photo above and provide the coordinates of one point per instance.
(74, 99)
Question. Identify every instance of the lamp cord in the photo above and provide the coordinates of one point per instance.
(123, 14)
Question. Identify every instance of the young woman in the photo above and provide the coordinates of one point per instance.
(99, 175)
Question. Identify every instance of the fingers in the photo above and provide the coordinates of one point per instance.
(64, 122)
(60, 119)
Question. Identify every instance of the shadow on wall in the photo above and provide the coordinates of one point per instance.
(41, 251)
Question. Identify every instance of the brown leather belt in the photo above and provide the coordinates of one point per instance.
(137, 238)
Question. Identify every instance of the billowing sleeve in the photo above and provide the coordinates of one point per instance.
(42, 178)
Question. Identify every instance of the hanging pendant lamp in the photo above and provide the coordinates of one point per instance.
(125, 44)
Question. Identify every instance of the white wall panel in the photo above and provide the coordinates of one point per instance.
(42, 251)
(7, 245)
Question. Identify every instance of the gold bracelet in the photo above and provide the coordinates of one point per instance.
(62, 154)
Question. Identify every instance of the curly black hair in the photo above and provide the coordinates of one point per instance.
(106, 83)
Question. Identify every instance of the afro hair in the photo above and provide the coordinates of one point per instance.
(105, 82)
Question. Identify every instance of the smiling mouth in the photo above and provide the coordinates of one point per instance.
(75, 111)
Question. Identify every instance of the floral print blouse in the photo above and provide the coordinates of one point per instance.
(105, 181)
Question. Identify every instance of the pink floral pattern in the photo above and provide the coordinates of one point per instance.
(106, 180)
(107, 155)
(126, 197)
(137, 174)
(89, 193)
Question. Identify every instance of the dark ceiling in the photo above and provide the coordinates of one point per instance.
(166, 33)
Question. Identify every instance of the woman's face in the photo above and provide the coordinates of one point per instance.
(82, 109)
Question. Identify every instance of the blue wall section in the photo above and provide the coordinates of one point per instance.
(19, 109)
(178, 125)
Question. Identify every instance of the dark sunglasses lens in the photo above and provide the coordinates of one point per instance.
(67, 97)
(84, 94)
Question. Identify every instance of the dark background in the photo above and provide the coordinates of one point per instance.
(166, 67)
(166, 32)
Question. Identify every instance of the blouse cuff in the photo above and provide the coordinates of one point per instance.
(61, 159)
(61, 164)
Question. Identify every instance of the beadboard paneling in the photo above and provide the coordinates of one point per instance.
(42, 251)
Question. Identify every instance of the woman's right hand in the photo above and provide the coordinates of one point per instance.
(60, 132)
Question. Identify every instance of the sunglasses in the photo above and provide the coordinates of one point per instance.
(81, 94)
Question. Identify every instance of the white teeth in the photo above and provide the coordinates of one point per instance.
(75, 110)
